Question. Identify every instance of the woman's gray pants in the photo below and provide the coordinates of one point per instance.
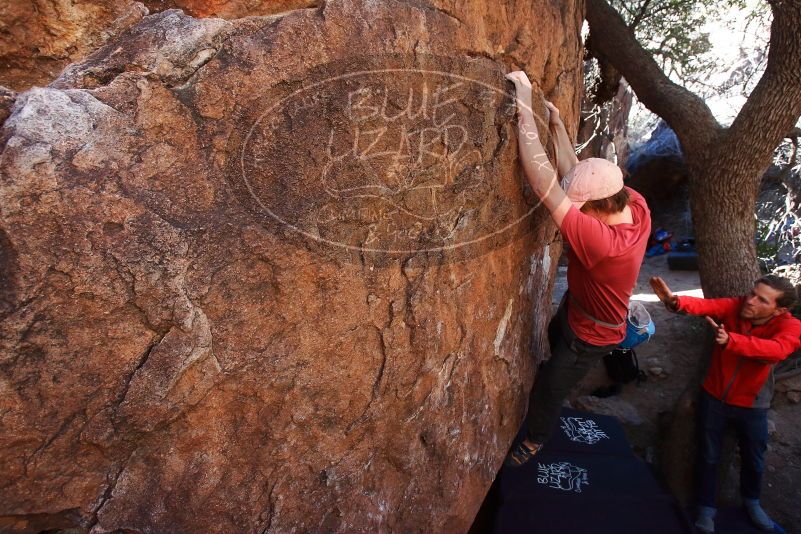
(570, 360)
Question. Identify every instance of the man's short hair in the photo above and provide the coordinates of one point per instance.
(613, 204)
(789, 293)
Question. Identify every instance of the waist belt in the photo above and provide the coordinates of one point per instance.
(593, 319)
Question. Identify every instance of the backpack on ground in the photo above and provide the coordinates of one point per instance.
(623, 367)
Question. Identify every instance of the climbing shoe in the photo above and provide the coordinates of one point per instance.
(520, 454)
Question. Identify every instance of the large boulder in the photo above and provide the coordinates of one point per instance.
(656, 167)
(275, 274)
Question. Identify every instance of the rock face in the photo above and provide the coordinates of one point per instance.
(231, 9)
(38, 38)
(275, 274)
(656, 168)
(603, 129)
(615, 407)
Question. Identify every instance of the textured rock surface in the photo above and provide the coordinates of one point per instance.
(7, 98)
(659, 180)
(38, 38)
(616, 407)
(204, 324)
(231, 9)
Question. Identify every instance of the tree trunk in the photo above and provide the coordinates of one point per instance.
(723, 218)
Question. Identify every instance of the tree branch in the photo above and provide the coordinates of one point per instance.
(625, 6)
(686, 113)
(774, 105)
(640, 14)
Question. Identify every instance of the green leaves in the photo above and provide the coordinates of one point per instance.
(673, 31)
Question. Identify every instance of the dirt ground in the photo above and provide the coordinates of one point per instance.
(668, 359)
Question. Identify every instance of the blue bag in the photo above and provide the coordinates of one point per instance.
(639, 326)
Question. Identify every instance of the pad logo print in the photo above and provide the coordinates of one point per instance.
(562, 476)
(582, 430)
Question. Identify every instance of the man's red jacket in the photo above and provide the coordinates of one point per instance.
(741, 372)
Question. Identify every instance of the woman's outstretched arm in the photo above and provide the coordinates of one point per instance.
(565, 153)
(538, 169)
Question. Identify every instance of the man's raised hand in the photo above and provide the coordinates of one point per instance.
(664, 293)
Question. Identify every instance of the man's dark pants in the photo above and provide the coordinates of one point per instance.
(751, 426)
(570, 360)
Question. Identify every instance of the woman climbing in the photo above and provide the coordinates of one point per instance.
(606, 227)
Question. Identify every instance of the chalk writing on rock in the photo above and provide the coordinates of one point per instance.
(402, 159)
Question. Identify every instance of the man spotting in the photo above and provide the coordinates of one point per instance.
(752, 334)
(606, 226)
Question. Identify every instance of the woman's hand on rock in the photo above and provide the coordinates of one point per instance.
(522, 88)
(554, 119)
